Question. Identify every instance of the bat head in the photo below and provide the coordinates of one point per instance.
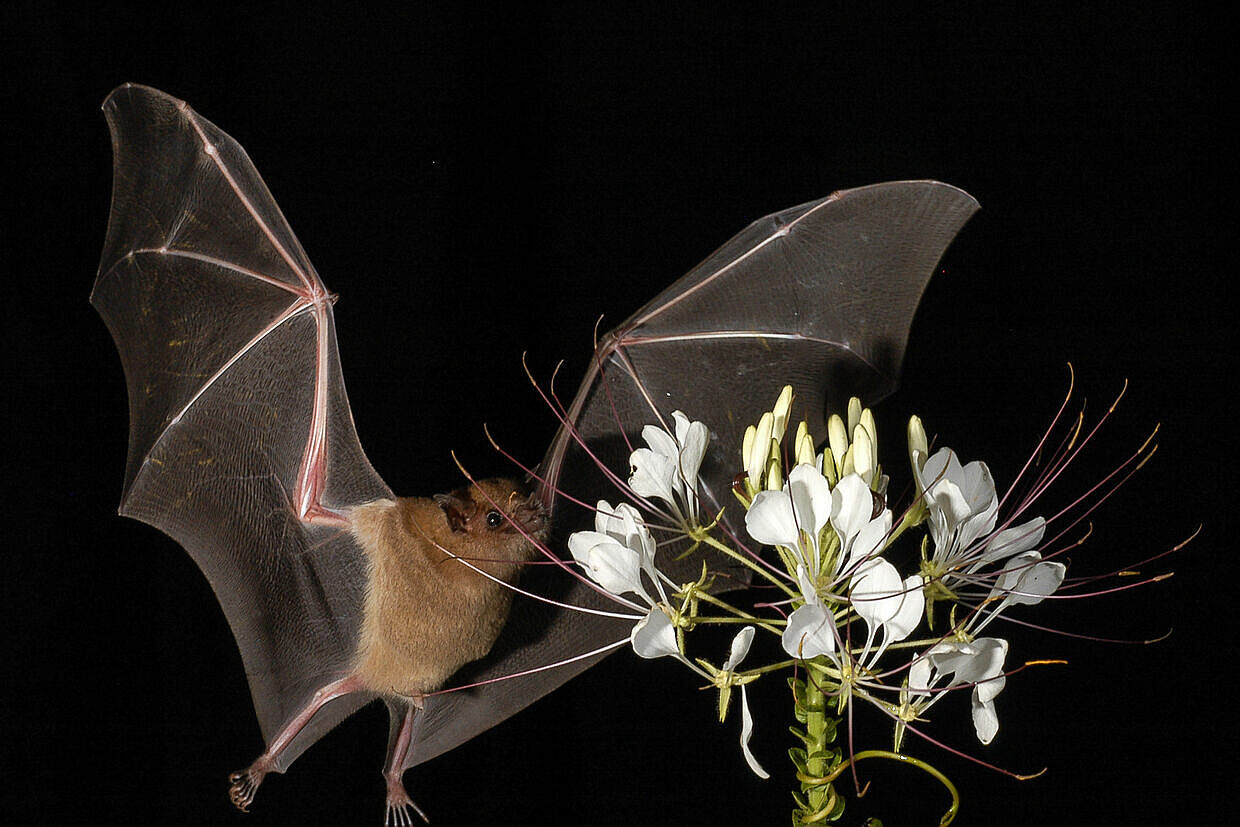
(499, 514)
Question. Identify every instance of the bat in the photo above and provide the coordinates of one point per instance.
(242, 445)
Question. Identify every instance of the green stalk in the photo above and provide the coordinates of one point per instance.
(817, 802)
(728, 551)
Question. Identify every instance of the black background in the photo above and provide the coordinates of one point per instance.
(487, 181)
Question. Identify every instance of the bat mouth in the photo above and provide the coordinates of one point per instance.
(532, 516)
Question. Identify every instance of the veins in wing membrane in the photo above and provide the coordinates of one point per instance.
(308, 296)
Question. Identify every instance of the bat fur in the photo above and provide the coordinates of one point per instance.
(426, 614)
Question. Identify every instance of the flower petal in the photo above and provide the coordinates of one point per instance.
(869, 540)
(985, 721)
(852, 506)
(740, 648)
(972, 662)
(877, 591)
(1028, 579)
(811, 498)
(654, 636)
(652, 474)
(770, 519)
(693, 438)
(808, 591)
(810, 633)
(919, 675)
(660, 441)
(615, 567)
(911, 607)
(746, 732)
(1014, 540)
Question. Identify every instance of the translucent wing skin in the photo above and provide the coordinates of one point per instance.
(241, 446)
(243, 449)
(820, 296)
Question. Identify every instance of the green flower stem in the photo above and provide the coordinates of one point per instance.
(764, 624)
(740, 616)
(911, 518)
(817, 801)
(915, 644)
(744, 560)
(816, 716)
(773, 667)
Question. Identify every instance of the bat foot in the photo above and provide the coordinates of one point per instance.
(400, 808)
(243, 785)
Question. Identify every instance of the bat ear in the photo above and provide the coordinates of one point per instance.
(457, 509)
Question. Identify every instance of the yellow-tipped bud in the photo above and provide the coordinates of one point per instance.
(862, 454)
(780, 413)
(871, 429)
(804, 445)
(759, 451)
(828, 467)
(837, 438)
(918, 445)
(854, 413)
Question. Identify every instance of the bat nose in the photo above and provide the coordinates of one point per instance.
(533, 513)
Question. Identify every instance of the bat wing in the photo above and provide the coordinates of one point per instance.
(241, 446)
(820, 296)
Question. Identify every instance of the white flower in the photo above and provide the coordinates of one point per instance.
(811, 628)
(616, 553)
(795, 519)
(852, 515)
(725, 679)
(963, 510)
(778, 518)
(668, 469)
(1010, 541)
(614, 556)
(1027, 579)
(961, 500)
(886, 603)
(979, 663)
(654, 636)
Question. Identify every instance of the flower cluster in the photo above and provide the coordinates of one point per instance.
(857, 625)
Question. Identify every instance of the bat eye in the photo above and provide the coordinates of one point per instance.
(494, 519)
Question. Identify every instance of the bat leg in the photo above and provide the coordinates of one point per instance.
(400, 807)
(243, 785)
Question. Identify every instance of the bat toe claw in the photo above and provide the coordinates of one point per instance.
(243, 786)
(401, 809)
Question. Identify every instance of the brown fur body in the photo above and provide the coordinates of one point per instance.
(427, 614)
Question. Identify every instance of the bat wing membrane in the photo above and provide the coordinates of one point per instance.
(236, 399)
(239, 415)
